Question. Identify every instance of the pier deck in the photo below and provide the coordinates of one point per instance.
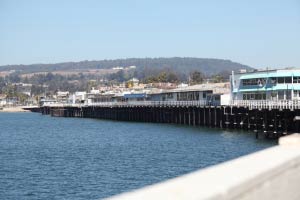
(263, 118)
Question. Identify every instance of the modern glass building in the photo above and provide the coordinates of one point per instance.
(282, 84)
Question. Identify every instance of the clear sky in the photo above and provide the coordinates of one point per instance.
(259, 33)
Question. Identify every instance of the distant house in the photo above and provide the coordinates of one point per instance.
(132, 67)
(3, 100)
(118, 68)
(30, 101)
(11, 101)
(23, 88)
(46, 102)
(78, 97)
(133, 82)
(62, 96)
(182, 85)
(164, 85)
(6, 101)
(94, 91)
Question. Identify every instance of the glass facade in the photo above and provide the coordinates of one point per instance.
(254, 81)
(267, 85)
(254, 96)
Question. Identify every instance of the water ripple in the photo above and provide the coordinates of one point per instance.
(70, 158)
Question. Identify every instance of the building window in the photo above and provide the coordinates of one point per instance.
(295, 93)
(296, 80)
(274, 95)
(169, 95)
(274, 80)
(254, 81)
(257, 96)
(280, 80)
(244, 97)
(288, 95)
(254, 96)
(288, 79)
(280, 94)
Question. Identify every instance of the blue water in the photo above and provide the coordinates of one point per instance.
(43, 157)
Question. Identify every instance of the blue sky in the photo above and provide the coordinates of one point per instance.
(259, 33)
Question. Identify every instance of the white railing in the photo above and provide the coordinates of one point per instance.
(151, 103)
(64, 105)
(267, 104)
(137, 103)
(251, 104)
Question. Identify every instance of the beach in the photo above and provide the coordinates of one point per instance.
(13, 109)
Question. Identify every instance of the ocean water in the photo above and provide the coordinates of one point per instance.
(43, 157)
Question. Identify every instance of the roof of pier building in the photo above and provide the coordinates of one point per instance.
(269, 73)
(135, 95)
(221, 88)
(178, 91)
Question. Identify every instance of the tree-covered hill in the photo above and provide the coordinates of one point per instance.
(180, 65)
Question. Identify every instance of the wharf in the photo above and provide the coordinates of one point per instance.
(263, 118)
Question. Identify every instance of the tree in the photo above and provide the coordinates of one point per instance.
(196, 77)
(25, 80)
(11, 91)
(22, 97)
(2, 84)
(49, 77)
(162, 77)
(118, 76)
(129, 84)
(217, 78)
(14, 78)
(225, 74)
(37, 90)
(172, 77)
(150, 79)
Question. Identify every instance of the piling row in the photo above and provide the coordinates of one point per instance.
(269, 123)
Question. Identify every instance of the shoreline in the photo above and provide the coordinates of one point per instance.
(13, 109)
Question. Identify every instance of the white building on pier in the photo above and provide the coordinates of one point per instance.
(272, 85)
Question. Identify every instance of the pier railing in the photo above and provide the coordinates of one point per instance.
(138, 103)
(267, 104)
(251, 104)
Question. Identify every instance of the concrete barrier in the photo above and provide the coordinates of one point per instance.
(273, 173)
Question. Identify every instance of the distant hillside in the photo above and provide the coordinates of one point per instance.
(181, 65)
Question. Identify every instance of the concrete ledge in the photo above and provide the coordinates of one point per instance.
(273, 173)
(290, 141)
